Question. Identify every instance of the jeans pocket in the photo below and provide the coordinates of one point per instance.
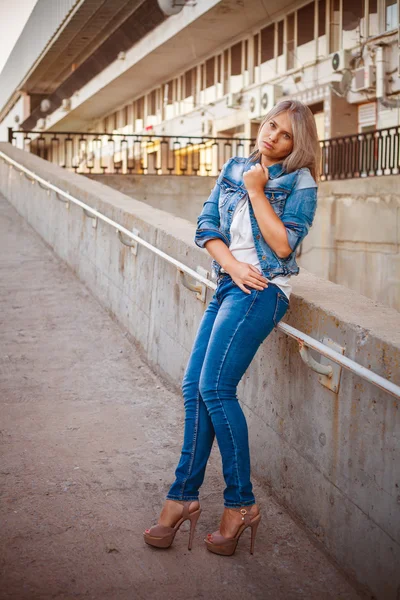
(282, 304)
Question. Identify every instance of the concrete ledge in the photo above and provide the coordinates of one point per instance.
(180, 196)
(354, 241)
(333, 460)
(362, 186)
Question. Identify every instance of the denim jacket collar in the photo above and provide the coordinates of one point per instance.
(276, 170)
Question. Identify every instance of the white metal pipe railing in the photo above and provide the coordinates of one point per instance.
(302, 338)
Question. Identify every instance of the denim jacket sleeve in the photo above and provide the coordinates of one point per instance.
(298, 214)
(209, 220)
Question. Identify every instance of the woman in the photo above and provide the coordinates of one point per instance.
(258, 213)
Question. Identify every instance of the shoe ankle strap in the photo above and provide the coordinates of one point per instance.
(246, 518)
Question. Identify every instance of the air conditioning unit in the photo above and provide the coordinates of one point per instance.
(45, 105)
(269, 96)
(234, 100)
(254, 104)
(364, 78)
(341, 60)
(263, 99)
(66, 104)
(169, 7)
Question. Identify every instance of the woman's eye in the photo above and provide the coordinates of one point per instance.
(272, 124)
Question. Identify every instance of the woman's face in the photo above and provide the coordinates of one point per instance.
(275, 140)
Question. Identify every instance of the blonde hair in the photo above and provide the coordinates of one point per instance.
(306, 150)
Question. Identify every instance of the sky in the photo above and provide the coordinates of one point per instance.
(13, 16)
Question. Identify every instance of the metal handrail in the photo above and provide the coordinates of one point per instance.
(298, 335)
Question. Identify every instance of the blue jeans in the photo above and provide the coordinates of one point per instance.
(233, 327)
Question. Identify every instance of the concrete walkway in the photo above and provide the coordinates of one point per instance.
(89, 439)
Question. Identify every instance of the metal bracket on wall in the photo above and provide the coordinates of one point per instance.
(90, 216)
(199, 288)
(132, 244)
(44, 187)
(329, 374)
(62, 199)
(28, 178)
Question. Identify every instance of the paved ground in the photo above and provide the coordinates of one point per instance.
(89, 440)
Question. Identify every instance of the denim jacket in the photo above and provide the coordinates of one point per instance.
(293, 196)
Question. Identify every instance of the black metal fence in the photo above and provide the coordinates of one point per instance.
(367, 154)
(132, 154)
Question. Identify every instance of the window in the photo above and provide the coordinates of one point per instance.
(392, 18)
(334, 25)
(219, 68)
(236, 59)
(124, 117)
(190, 82)
(169, 92)
(210, 72)
(256, 47)
(321, 17)
(112, 123)
(226, 71)
(290, 41)
(353, 12)
(168, 99)
(373, 17)
(366, 117)
(305, 24)
(267, 43)
(202, 77)
(317, 110)
(280, 37)
(140, 108)
(179, 88)
(152, 103)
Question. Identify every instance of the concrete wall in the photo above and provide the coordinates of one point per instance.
(355, 239)
(332, 459)
(180, 196)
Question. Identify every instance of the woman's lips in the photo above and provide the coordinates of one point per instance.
(268, 146)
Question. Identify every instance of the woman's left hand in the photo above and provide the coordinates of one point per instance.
(255, 179)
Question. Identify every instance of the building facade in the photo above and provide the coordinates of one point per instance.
(213, 69)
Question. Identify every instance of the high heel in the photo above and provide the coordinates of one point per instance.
(227, 546)
(161, 536)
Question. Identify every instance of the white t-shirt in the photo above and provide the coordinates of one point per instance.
(242, 244)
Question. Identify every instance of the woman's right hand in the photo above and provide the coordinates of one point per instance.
(245, 274)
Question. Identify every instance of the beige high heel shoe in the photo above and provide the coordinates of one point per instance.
(219, 544)
(161, 536)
